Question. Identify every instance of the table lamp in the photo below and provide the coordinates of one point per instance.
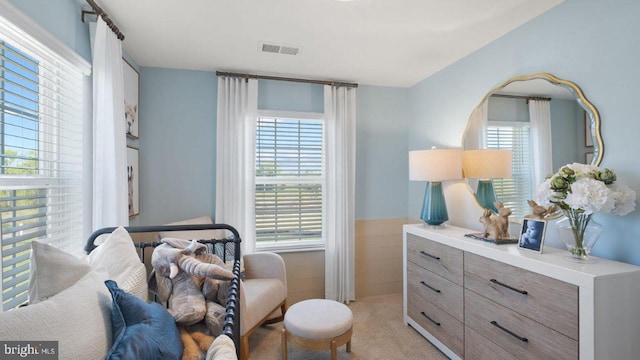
(435, 166)
(486, 165)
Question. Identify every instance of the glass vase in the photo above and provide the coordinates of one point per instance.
(579, 233)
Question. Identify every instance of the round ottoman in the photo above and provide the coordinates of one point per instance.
(317, 324)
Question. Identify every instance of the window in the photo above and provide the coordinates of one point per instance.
(41, 97)
(514, 192)
(289, 183)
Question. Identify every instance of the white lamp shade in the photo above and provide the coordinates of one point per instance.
(487, 164)
(435, 164)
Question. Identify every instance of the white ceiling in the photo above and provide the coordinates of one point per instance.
(376, 42)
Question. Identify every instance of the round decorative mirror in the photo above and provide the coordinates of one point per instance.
(545, 122)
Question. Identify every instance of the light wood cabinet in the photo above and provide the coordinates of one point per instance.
(477, 300)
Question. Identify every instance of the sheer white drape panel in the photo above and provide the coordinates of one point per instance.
(339, 232)
(540, 119)
(476, 134)
(235, 157)
(110, 205)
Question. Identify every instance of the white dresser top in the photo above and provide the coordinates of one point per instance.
(551, 262)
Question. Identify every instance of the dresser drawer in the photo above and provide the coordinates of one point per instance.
(437, 322)
(437, 258)
(477, 347)
(550, 302)
(515, 333)
(441, 292)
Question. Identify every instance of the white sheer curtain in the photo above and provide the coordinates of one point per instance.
(235, 157)
(340, 138)
(476, 134)
(540, 122)
(110, 205)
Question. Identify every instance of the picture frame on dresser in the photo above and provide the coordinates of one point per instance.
(532, 234)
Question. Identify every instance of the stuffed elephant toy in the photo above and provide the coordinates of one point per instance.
(188, 277)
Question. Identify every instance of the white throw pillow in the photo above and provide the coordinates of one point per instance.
(118, 257)
(52, 270)
(79, 318)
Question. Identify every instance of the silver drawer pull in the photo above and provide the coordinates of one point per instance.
(523, 292)
(430, 319)
(523, 339)
(430, 287)
(429, 255)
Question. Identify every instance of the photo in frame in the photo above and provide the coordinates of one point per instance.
(532, 234)
(588, 131)
(133, 182)
(131, 92)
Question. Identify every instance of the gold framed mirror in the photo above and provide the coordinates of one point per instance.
(546, 122)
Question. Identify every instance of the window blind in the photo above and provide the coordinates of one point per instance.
(41, 143)
(514, 192)
(289, 180)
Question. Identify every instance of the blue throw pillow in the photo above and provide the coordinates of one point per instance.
(140, 330)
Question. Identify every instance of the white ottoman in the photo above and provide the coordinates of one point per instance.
(317, 324)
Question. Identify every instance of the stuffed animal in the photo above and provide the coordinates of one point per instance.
(187, 278)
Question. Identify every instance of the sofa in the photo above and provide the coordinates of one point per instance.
(263, 290)
(97, 307)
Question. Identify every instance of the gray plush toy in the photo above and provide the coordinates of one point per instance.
(188, 278)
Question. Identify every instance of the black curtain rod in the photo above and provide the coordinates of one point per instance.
(99, 12)
(522, 97)
(278, 78)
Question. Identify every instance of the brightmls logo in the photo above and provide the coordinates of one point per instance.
(45, 350)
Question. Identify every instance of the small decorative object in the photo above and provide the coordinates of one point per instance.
(131, 86)
(580, 191)
(532, 234)
(496, 227)
(540, 212)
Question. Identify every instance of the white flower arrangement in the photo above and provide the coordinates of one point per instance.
(586, 189)
(580, 191)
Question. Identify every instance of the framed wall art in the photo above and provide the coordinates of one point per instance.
(131, 92)
(532, 234)
(133, 181)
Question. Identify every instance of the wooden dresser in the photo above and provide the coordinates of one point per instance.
(476, 300)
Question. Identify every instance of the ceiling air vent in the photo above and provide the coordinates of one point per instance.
(270, 48)
(279, 49)
(287, 50)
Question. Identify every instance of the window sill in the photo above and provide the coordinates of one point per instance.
(290, 248)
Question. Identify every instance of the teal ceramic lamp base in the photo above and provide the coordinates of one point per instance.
(434, 208)
(486, 196)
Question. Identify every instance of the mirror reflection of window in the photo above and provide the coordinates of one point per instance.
(514, 136)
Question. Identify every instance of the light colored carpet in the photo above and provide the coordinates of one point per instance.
(378, 333)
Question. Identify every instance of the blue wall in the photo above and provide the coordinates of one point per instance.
(177, 145)
(290, 96)
(382, 168)
(591, 42)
